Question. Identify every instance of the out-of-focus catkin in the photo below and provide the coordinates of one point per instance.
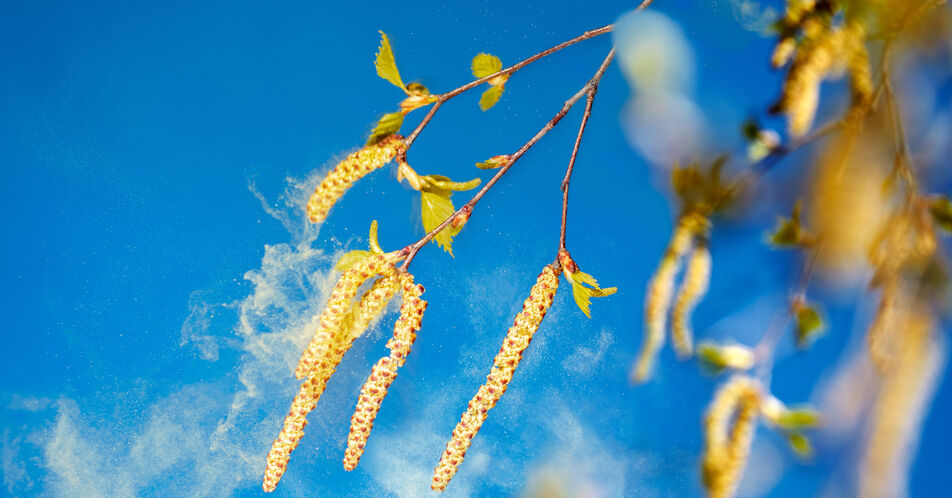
(337, 309)
(385, 371)
(697, 275)
(900, 406)
(728, 432)
(517, 340)
(660, 292)
(349, 171)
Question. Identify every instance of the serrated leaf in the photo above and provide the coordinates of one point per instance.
(490, 97)
(374, 243)
(809, 325)
(444, 183)
(437, 207)
(350, 259)
(798, 419)
(583, 295)
(800, 445)
(388, 125)
(385, 63)
(941, 209)
(485, 64)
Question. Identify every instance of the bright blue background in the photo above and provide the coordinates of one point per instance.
(129, 136)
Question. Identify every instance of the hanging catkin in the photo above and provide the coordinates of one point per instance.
(517, 339)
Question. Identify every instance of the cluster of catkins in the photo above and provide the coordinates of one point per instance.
(689, 241)
(819, 49)
(341, 322)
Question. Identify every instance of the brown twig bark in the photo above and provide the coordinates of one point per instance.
(571, 166)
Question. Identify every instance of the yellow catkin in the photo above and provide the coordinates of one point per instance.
(801, 90)
(857, 62)
(728, 432)
(517, 339)
(304, 402)
(783, 51)
(349, 171)
(881, 336)
(385, 371)
(900, 407)
(658, 296)
(372, 304)
(697, 275)
(337, 308)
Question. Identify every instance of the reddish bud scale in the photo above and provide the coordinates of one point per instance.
(504, 365)
(385, 371)
(349, 171)
(337, 307)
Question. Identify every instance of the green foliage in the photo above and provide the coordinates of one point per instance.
(941, 209)
(386, 65)
(798, 419)
(584, 288)
(351, 258)
(800, 444)
(436, 206)
(485, 64)
(809, 325)
(702, 190)
(715, 358)
(490, 97)
(790, 232)
(388, 125)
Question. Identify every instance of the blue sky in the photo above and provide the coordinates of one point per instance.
(160, 279)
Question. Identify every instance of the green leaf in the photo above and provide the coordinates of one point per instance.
(809, 325)
(798, 419)
(374, 244)
(800, 444)
(388, 125)
(485, 64)
(444, 183)
(437, 207)
(490, 97)
(583, 295)
(711, 359)
(350, 259)
(716, 357)
(941, 209)
(386, 65)
(790, 232)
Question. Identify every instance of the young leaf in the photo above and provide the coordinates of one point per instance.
(386, 65)
(350, 259)
(790, 232)
(584, 286)
(800, 444)
(388, 125)
(485, 64)
(798, 419)
(436, 207)
(443, 183)
(809, 325)
(715, 358)
(490, 97)
(941, 209)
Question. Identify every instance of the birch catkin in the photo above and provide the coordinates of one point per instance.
(385, 371)
(726, 446)
(349, 171)
(504, 365)
(697, 275)
(303, 403)
(658, 297)
(337, 307)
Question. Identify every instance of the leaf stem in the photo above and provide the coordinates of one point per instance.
(411, 250)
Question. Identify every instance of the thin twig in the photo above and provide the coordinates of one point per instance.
(440, 99)
(411, 250)
(571, 166)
